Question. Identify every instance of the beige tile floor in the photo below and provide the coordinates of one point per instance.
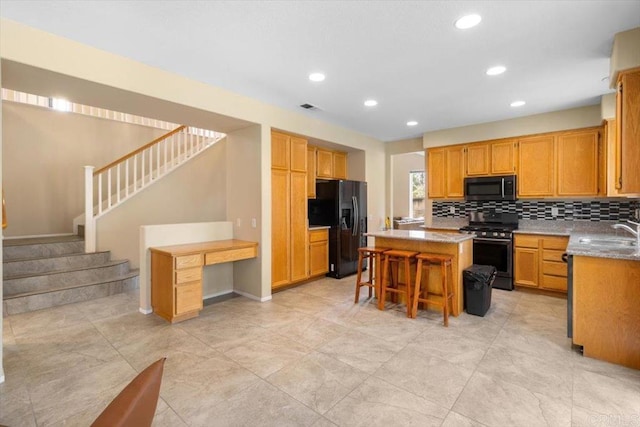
(310, 357)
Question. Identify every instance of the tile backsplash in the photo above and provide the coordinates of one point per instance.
(568, 210)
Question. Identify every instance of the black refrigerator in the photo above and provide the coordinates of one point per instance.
(342, 205)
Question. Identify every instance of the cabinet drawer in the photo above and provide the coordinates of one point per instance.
(552, 255)
(554, 283)
(555, 243)
(188, 297)
(230, 255)
(318, 236)
(526, 241)
(554, 268)
(188, 261)
(189, 275)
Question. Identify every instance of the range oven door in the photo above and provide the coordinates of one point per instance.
(499, 253)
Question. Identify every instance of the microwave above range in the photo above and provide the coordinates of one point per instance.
(490, 188)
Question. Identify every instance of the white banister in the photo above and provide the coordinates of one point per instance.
(152, 166)
(89, 222)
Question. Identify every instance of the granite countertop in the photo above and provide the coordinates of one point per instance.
(563, 228)
(319, 227)
(448, 223)
(603, 251)
(425, 236)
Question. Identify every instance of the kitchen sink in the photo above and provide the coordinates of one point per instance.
(611, 242)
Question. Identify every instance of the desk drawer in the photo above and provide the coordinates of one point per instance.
(188, 297)
(189, 275)
(188, 261)
(230, 255)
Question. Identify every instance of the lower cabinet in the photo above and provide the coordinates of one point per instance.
(176, 283)
(318, 252)
(538, 262)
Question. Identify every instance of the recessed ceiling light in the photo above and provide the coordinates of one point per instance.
(517, 103)
(494, 71)
(316, 77)
(468, 21)
(412, 123)
(370, 103)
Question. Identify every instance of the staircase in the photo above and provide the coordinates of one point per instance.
(51, 271)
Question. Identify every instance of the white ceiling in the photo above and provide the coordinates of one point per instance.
(405, 54)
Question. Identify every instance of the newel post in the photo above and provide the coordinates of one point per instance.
(89, 221)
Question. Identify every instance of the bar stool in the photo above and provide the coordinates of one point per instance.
(421, 294)
(391, 284)
(374, 255)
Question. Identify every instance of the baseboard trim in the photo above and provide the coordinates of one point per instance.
(218, 294)
(253, 297)
(31, 236)
(145, 310)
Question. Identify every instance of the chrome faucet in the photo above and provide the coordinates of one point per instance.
(635, 232)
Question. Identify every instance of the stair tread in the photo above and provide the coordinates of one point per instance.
(129, 275)
(68, 270)
(54, 256)
(42, 240)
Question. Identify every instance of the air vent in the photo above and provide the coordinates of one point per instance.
(308, 107)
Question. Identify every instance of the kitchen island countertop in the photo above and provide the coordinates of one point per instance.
(424, 236)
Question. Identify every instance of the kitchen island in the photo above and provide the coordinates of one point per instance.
(459, 246)
(605, 297)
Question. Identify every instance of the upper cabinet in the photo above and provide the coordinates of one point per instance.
(503, 157)
(477, 159)
(556, 164)
(311, 172)
(445, 168)
(536, 166)
(627, 153)
(330, 164)
(339, 165)
(579, 163)
(324, 163)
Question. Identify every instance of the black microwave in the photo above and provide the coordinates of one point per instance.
(490, 188)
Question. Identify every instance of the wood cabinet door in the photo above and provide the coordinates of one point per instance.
(299, 228)
(280, 237)
(628, 117)
(318, 258)
(311, 172)
(578, 163)
(280, 151)
(455, 172)
(298, 154)
(339, 165)
(526, 267)
(477, 159)
(536, 166)
(503, 158)
(436, 173)
(324, 164)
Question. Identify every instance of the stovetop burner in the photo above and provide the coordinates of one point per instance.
(492, 224)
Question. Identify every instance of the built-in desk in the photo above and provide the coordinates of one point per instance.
(176, 274)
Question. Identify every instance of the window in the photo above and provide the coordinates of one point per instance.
(416, 194)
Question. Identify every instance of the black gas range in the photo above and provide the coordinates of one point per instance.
(493, 244)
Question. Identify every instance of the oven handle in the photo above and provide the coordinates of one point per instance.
(485, 239)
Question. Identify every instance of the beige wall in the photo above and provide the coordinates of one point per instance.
(194, 192)
(608, 106)
(548, 122)
(44, 155)
(1, 256)
(401, 165)
(244, 205)
(625, 53)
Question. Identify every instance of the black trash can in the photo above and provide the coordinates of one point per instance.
(478, 281)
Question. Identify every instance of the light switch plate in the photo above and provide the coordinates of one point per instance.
(554, 211)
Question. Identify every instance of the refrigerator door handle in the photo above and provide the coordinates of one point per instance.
(355, 216)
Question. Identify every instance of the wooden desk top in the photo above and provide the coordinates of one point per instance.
(203, 247)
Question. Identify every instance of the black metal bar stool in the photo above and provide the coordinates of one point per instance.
(374, 255)
(421, 293)
(395, 257)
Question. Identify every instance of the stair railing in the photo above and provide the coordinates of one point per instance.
(118, 181)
